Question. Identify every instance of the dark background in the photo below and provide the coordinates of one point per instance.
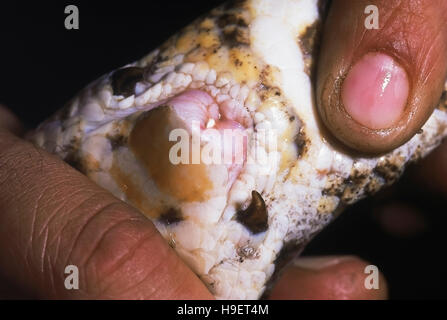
(42, 65)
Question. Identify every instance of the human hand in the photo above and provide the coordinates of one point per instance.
(376, 88)
(52, 216)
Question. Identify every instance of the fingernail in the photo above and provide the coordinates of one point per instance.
(320, 263)
(375, 91)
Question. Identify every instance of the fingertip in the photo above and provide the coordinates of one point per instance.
(377, 87)
(328, 278)
(375, 91)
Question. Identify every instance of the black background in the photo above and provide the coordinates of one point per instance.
(42, 65)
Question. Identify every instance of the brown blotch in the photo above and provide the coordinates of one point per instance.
(234, 37)
(373, 186)
(124, 80)
(301, 142)
(358, 184)
(228, 19)
(117, 141)
(388, 170)
(255, 217)
(266, 87)
(354, 186)
(335, 188)
(238, 63)
(154, 64)
(266, 91)
(310, 47)
(356, 178)
(171, 216)
(266, 77)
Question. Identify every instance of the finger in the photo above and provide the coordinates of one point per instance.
(8, 121)
(377, 87)
(51, 216)
(327, 278)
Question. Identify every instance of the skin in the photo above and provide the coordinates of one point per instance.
(414, 34)
(343, 280)
(52, 216)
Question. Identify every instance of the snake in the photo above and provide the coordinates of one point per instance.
(247, 67)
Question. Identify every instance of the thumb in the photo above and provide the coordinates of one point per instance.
(377, 87)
